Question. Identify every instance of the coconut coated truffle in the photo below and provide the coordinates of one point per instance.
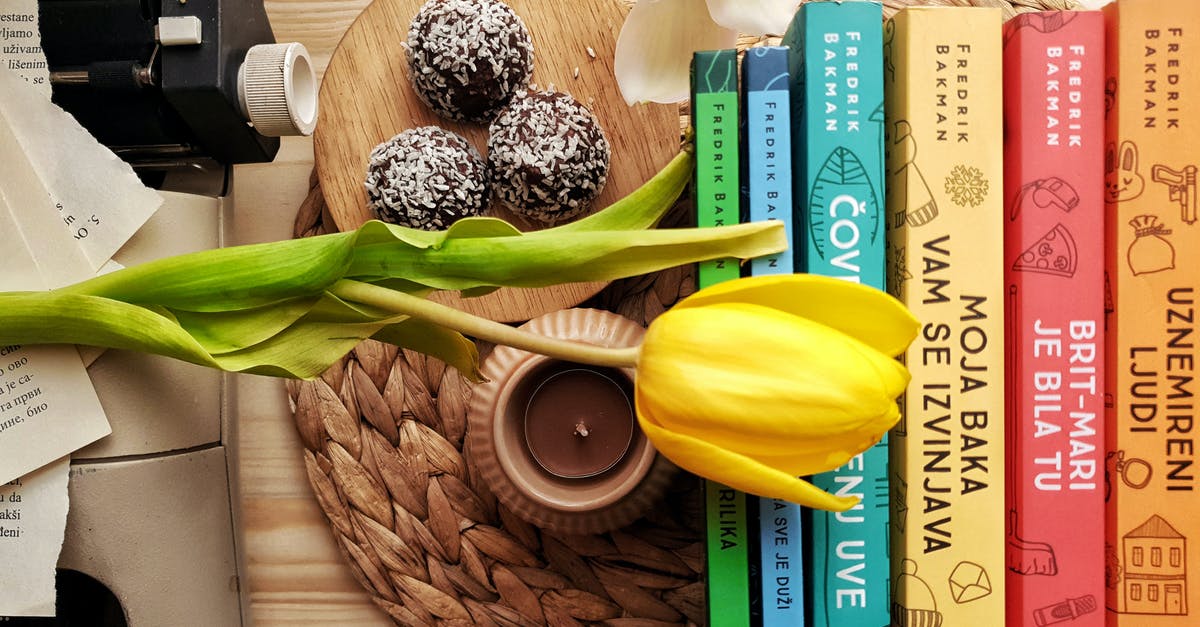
(426, 178)
(467, 57)
(548, 156)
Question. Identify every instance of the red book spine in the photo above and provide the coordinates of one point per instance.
(1054, 248)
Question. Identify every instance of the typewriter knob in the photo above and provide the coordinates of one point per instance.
(278, 89)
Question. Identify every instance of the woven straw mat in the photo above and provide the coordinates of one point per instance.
(383, 432)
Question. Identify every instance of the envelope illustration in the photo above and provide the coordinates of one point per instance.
(969, 582)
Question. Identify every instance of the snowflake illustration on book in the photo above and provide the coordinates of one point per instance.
(966, 186)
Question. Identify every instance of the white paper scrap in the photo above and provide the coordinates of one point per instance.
(66, 205)
(33, 519)
(48, 407)
(99, 199)
(21, 43)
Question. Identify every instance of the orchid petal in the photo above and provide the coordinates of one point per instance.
(654, 49)
(753, 17)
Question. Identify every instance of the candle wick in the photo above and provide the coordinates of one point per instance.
(581, 429)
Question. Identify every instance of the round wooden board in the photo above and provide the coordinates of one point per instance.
(366, 98)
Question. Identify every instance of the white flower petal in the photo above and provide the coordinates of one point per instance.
(753, 17)
(654, 50)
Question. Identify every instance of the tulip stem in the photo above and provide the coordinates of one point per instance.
(401, 303)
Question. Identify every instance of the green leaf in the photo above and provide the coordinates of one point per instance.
(481, 227)
(313, 342)
(476, 292)
(227, 331)
(436, 341)
(542, 258)
(376, 232)
(645, 206)
(303, 350)
(57, 318)
(240, 277)
(266, 308)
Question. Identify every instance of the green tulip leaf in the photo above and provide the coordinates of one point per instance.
(436, 341)
(241, 277)
(227, 331)
(59, 318)
(481, 227)
(270, 309)
(544, 258)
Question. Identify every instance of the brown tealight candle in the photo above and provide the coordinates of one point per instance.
(558, 442)
(579, 423)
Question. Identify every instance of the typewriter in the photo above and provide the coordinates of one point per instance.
(178, 86)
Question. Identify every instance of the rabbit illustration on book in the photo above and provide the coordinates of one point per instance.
(1122, 181)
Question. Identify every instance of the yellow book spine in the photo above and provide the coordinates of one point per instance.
(945, 206)
(1153, 267)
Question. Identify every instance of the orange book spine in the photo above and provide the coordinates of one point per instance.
(1054, 251)
(1153, 268)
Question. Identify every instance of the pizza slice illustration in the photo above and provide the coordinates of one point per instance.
(1053, 253)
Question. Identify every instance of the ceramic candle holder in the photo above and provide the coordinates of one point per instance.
(536, 458)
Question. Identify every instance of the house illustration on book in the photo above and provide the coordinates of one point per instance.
(1155, 577)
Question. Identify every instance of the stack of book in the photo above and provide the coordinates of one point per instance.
(1026, 188)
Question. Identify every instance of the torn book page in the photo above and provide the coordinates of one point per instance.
(48, 407)
(21, 44)
(33, 521)
(101, 203)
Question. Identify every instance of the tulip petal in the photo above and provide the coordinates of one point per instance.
(865, 313)
(753, 17)
(654, 49)
(763, 382)
(738, 471)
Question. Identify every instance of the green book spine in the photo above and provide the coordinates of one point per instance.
(715, 122)
(837, 94)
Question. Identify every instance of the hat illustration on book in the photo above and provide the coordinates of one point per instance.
(919, 608)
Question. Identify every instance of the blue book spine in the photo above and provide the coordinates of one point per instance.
(769, 145)
(769, 197)
(836, 64)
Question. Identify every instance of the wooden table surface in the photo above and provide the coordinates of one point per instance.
(292, 573)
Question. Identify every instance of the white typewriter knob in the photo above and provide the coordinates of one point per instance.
(278, 89)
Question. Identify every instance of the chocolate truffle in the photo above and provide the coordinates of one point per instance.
(426, 178)
(547, 155)
(467, 57)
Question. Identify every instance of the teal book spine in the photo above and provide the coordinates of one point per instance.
(837, 97)
(717, 196)
(768, 153)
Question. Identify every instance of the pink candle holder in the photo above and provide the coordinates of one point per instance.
(558, 442)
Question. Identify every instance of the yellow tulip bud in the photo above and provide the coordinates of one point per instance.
(753, 382)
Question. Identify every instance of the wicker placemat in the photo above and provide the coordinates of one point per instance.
(384, 431)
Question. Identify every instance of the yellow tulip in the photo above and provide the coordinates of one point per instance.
(754, 382)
